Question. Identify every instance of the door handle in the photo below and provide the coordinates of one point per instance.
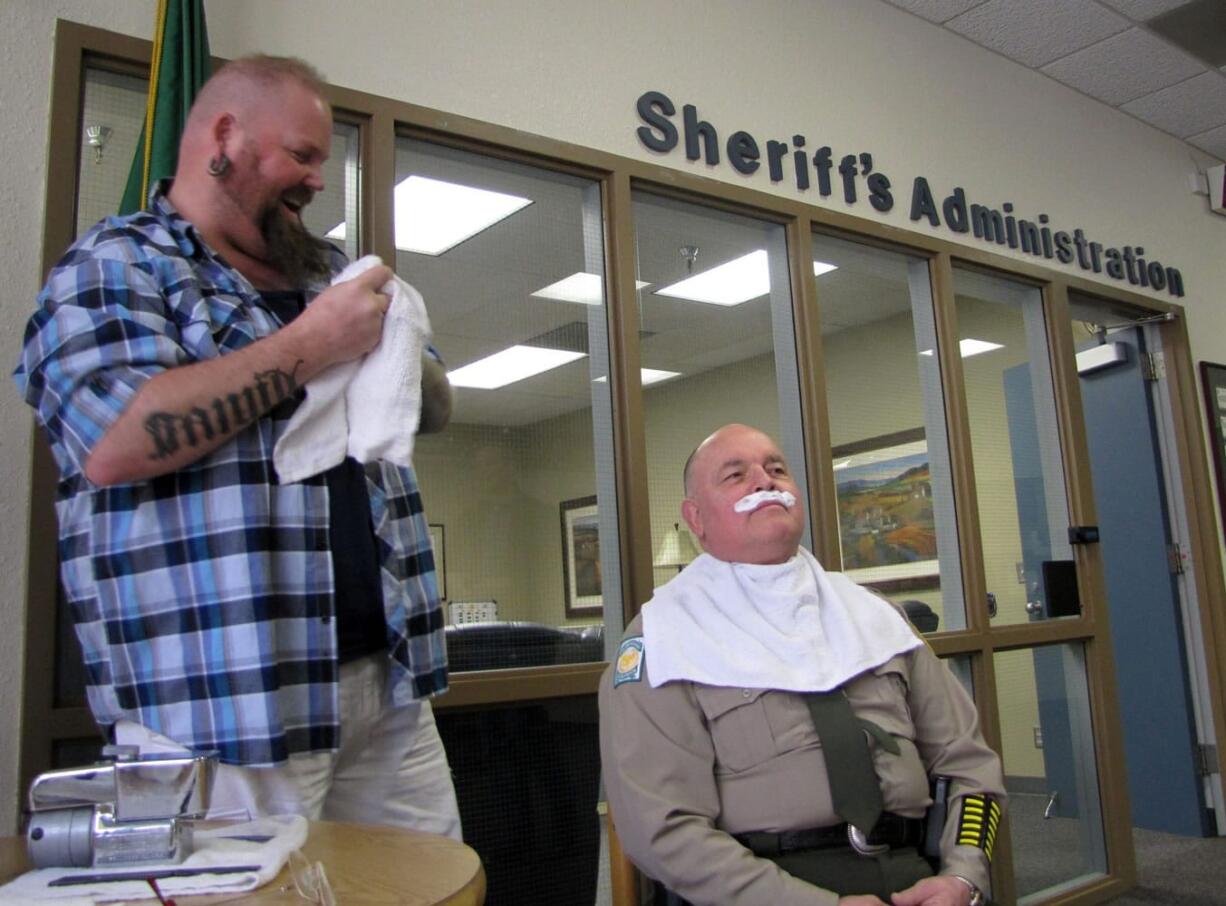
(1034, 608)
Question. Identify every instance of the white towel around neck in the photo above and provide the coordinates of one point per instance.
(367, 408)
(790, 626)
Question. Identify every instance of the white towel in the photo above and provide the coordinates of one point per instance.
(218, 847)
(790, 626)
(368, 408)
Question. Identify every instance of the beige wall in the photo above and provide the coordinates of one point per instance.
(856, 75)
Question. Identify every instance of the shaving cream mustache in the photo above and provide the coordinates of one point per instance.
(756, 499)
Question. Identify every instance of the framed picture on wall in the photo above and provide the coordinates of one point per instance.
(438, 540)
(887, 533)
(1213, 377)
(581, 557)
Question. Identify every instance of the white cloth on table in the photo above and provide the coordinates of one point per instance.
(367, 408)
(265, 844)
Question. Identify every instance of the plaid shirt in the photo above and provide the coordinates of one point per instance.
(203, 599)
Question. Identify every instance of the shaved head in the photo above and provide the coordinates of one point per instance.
(247, 82)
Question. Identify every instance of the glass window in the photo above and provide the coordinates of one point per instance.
(897, 527)
(519, 491)
(334, 212)
(519, 488)
(1015, 443)
(1048, 751)
(112, 115)
(715, 314)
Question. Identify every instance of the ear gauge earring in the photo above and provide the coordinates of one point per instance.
(218, 165)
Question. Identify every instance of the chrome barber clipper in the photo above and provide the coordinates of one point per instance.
(127, 809)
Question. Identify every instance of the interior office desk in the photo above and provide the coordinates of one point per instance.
(366, 866)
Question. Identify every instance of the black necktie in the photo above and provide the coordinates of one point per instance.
(854, 788)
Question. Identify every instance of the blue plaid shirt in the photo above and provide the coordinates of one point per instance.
(203, 599)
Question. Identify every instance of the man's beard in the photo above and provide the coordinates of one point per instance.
(291, 250)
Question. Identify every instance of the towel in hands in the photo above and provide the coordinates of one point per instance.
(367, 408)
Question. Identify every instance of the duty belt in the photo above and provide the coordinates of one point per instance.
(891, 832)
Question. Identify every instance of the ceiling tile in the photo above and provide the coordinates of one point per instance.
(1199, 28)
(1189, 108)
(935, 10)
(1124, 67)
(1145, 9)
(1038, 31)
(1213, 141)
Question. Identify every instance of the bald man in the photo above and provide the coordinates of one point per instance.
(294, 629)
(768, 730)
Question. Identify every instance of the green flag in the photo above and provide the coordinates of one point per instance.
(180, 65)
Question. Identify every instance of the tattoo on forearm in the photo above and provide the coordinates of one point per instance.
(171, 432)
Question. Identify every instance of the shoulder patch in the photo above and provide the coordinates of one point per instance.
(628, 668)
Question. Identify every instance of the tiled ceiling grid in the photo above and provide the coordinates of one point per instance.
(1161, 61)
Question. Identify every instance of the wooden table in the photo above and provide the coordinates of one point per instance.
(366, 865)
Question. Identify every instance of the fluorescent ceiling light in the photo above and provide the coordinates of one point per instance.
(970, 347)
(510, 365)
(433, 216)
(338, 232)
(581, 287)
(647, 376)
(730, 283)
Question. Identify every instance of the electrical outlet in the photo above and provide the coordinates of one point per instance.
(1038, 737)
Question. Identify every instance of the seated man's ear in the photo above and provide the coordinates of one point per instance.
(436, 396)
(693, 517)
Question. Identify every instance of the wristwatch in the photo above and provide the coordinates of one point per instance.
(977, 897)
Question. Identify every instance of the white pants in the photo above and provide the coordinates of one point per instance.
(390, 769)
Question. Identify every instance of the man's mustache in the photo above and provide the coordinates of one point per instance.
(757, 498)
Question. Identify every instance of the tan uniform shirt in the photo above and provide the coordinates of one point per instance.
(687, 765)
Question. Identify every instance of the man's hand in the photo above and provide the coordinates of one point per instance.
(866, 899)
(941, 890)
(184, 413)
(345, 321)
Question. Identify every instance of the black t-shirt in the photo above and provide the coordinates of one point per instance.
(361, 627)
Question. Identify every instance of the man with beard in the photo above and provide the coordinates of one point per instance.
(768, 729)
(295, 629)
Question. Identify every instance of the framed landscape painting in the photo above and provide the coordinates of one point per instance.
(581, 557)
(886, 529)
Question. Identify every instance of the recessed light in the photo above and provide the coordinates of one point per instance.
(510, 365)
(970, 347)
(582, 287)
(433, 216)
(730, 283)
(647, 376)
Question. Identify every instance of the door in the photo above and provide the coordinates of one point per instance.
(1142, 598)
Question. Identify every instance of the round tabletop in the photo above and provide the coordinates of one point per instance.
(366, 866)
